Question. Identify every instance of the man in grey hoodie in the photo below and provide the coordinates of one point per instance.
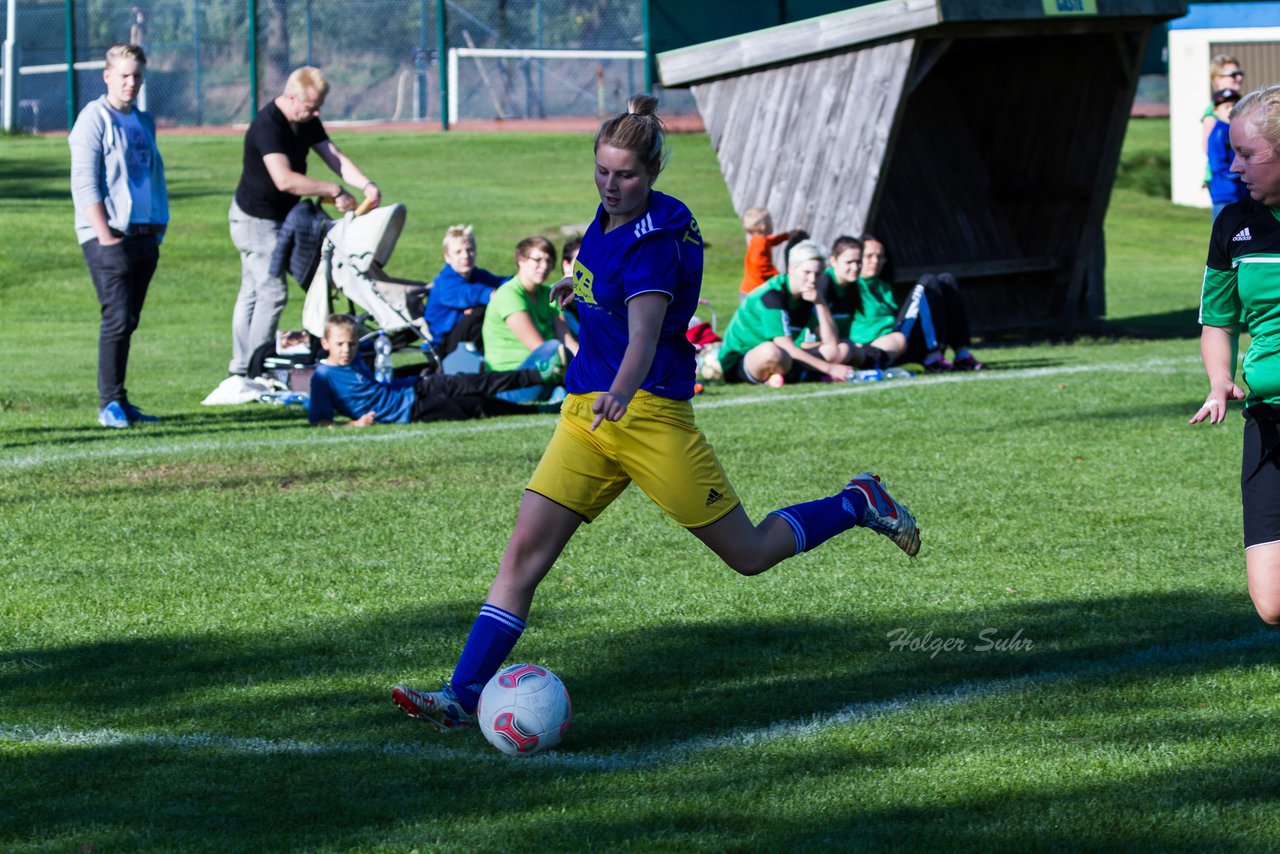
(122, 209)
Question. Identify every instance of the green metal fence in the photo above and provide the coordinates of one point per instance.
(213, 62)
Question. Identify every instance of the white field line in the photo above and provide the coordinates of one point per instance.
(391, 434)
(454, 748)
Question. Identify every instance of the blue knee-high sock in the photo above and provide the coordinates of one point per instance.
(815, 522)
(912, 314)
(493, 636)
(926, 323)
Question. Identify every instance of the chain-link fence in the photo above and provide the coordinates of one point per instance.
(501, 58)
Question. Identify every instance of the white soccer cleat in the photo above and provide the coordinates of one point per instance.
(885, 515)
(440, 708)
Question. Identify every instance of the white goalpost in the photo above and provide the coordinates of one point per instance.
(9, 121)
(581, 76)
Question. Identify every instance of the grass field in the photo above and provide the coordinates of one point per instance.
(200, 620)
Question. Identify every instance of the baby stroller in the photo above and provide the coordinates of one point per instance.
(352, 260)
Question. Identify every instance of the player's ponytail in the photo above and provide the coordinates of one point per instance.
(642, 105)
(639, 130)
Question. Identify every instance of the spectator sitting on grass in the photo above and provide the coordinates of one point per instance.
(344, 385)
(931, 319)
(521, 325)
(459, 292)
(760, 342)
(569, 257)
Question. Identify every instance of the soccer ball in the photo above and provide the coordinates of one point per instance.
(524, 709)
(709, 367)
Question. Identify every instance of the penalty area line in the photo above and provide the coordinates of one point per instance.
(389, 434)
(1160, 656)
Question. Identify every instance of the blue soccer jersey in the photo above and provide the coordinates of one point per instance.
(658, 252)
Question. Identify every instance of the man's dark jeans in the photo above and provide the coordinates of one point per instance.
(121, 273)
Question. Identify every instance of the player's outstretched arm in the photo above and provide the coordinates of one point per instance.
(1218, 351)
(644, 320)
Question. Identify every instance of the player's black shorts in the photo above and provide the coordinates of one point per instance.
(735, 371)
(1260, 475)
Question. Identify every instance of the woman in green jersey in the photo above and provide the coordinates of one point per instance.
(1242, 275)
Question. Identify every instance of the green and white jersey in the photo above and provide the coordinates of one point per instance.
(1242, 278)
(770, 311)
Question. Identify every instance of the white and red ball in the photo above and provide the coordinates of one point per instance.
(524, 709)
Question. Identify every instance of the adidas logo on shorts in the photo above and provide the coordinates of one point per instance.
(1242, 235)
(713, 497)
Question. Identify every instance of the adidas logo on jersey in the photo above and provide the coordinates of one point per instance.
(713, 497)
(1242, 235)
(644, 226)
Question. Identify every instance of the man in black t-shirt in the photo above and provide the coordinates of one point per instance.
(273, 178)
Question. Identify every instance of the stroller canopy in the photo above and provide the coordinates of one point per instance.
(352, 259)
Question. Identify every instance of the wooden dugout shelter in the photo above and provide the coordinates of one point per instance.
(980, 138)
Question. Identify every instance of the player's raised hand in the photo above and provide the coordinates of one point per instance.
(1214, 408)
(562, 292)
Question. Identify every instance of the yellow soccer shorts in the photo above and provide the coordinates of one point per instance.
(656, 444)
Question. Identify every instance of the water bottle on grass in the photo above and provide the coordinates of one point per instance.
(382, 370)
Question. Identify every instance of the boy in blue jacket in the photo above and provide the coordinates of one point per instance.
(459, 292)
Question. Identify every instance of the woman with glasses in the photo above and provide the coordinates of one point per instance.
(1224, 73)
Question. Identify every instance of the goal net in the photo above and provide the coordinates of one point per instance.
(493, 83)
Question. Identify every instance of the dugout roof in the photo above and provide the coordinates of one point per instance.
(976, 138)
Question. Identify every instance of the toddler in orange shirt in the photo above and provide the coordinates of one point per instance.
(757, 265)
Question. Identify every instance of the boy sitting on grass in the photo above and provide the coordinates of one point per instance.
(459, 293)
(344, 385)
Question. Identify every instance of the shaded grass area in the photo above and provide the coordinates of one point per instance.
(1048, 775)
(1144, 159)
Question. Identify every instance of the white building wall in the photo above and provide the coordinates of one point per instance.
(1189, 56)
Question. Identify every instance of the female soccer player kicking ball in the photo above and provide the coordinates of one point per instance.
(628, 417)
